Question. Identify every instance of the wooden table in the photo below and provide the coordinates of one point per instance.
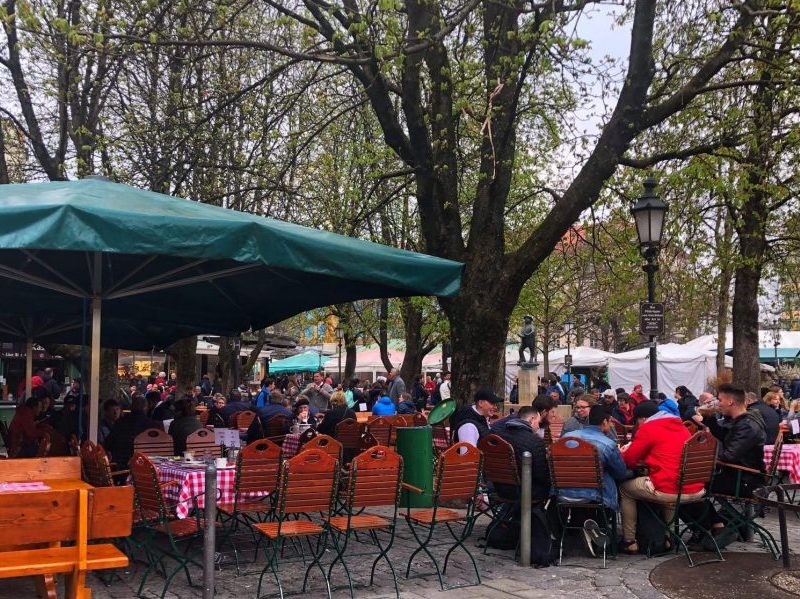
(60, 474)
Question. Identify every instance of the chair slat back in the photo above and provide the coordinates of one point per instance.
(202, 442)
(575, 464)
(276, 426)
(366, 441)
(776, 454)
(202, 416)
(257, 468)
(375, 477)
(148, 491)
(499, 461)
(420, 419)
(553, 431)
(348, 433)
(154, 441)
(52, 516)
(458, 473)
(242, 420)
(691, 426)
(400, 421)
(381, 429)
(306, 436)
(95, 464)
(440, 434)
(110, 512)
(699, 459)
(327, 444)
(308, 483)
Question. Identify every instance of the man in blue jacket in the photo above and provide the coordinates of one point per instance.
(614, 469)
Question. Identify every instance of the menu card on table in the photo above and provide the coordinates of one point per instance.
(229, 437)
(26, 486)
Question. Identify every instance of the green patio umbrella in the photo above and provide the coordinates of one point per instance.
(155, 268)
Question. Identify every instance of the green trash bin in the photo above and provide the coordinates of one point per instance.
(415, 444)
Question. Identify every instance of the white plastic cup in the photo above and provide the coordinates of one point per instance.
(221, 462)
(188, 456)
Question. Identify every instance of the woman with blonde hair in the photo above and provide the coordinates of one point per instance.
(777, 403)
(338, 412)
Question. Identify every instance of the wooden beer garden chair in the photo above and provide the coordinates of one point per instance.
(167, 537)
(499, 468)
(374, 480)
(380, 428)
(201, 442)
(456, 478)
(307, 484)
(276, 428)
(575, 464)
(242, 420)
(327, 444)
(348, 433)
(698, 462)
(254, 487)
(154, 441)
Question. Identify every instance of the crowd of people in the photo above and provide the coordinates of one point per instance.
(647, 467)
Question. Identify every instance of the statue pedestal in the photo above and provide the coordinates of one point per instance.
(528, 383)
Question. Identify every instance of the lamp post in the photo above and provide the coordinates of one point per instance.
(776, 340)
(648, 212)
(569, 325)
(339, 340)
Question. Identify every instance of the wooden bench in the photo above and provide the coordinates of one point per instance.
(54, 517)
(34, 524)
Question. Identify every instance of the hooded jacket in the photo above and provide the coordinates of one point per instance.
(659, 444)
(520, 435)
(384, 407)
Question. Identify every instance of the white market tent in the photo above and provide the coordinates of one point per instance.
(677, 365)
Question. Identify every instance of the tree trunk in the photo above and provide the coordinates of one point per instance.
(479, 318)
(226, 358)
(546, 350)
(350, 358)
(261, 341)
(723, 306)
(416, 348)
(109, 380)
(184, 352)
(745, 327)
(383, 334)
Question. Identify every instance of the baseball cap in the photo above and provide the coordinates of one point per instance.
(609, 393)
(487, 394)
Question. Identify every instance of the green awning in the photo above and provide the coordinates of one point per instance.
(166, 267)
(306, 362)
(767, 354)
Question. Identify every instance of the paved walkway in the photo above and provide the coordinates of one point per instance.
(580, 577)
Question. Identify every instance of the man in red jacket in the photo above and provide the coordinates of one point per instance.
(658, 444)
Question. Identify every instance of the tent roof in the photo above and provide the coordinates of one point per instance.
(767, 354)
(306, 362)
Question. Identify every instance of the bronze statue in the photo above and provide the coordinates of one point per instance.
(527, 335)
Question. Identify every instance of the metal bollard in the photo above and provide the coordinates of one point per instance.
(525, 517)
(210, 532)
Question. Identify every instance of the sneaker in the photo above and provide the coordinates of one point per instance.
(597, 538)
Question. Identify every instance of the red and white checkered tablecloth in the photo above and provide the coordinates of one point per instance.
(291, 443)
(192, 482)
(789, 460)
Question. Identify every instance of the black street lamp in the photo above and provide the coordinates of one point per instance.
(648, 213)
(569, 325)
(339, 340)
(776, 341)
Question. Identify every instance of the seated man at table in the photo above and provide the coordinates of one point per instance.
(614, 469)
(185, 423)
(741, 437)
(768, 415)
(658, 444)
(119, 442)
(23, 434)
(273, 408)
(470, 423)
(520, 432)
(234, 404)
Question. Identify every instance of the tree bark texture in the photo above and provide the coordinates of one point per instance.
(184, 352)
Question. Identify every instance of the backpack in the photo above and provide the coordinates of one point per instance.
(650, 533)
(504, 532)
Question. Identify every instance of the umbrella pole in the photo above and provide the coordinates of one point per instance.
(28, 366)
(94, 399)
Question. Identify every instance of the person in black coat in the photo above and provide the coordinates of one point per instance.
(119, 442)
(338, 412)
(770, 417)
(520, 432)
(418, 394)
(687, 402)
